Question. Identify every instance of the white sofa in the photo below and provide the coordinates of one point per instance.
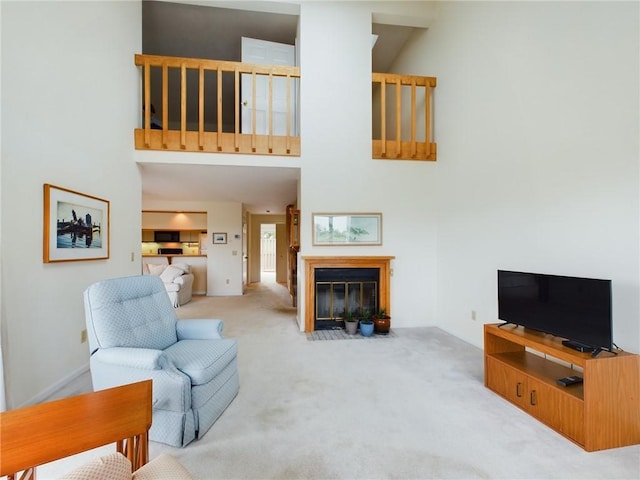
(177, 279)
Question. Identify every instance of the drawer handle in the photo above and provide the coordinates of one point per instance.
(533, 398)
(518, 389)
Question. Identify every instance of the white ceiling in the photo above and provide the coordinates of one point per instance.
(187, 30)
(260, 189)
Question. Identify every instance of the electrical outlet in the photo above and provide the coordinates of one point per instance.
(473, 315)
(227, 281)
(83, 336)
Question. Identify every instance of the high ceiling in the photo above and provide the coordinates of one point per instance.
(188, 30)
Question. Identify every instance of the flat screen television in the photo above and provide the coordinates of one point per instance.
(576, 309)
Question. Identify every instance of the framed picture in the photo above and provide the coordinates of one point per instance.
(347, 228)
(219, 238)
(76, 226)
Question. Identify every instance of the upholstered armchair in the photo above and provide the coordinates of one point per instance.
(134, 334)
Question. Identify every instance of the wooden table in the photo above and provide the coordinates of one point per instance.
(42, 433)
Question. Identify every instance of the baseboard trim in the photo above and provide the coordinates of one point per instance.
(47, 393)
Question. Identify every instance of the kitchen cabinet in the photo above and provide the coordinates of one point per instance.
(188, 236)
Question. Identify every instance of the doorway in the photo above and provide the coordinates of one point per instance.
(268, 252)
(273, 253)
(255, 259)
(269, 53)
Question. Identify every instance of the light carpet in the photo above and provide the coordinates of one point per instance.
(413, 406)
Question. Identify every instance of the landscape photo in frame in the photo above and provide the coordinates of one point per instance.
(347, 228)
(76, 226)
(220, 238)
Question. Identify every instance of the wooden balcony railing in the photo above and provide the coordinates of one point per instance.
(208, 106)
(175, 77)
(402, 125)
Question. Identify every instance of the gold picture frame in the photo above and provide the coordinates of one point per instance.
(76, 226)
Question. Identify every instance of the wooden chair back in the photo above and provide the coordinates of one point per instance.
(42, 433)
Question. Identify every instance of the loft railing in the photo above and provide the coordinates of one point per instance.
(403, 117)
(203, 104)
(201, 129)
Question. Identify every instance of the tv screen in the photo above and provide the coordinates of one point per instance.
(577, 309)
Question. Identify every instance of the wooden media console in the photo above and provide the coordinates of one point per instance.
(602, 412)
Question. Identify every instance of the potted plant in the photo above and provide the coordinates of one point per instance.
(350, 322)
(382, 322)
(366, 324)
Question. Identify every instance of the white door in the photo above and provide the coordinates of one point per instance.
(268, 53)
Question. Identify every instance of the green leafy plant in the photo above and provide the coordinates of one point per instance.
(366, 317)
(348, 316)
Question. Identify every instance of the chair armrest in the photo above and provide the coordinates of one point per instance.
(143, 358)
(163, 467)
(199, 329)
(186, 279)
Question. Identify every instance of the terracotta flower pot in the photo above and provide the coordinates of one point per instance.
(382, 325)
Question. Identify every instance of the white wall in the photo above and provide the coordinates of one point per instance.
(537, 130)
(338, 173)
(69, 97)
(224, 269)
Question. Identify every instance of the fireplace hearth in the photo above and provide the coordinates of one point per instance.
(334, 285)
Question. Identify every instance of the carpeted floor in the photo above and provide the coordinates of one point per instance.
(409, 406)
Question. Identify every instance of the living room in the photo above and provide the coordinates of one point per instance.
(536, 124)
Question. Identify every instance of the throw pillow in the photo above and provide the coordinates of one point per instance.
(182, 266)
(170, 274)
(114, 466)
(157, 269)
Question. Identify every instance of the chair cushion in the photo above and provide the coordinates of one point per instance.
(114, 466)
(163, 467)
(130, 312)
(202, 360)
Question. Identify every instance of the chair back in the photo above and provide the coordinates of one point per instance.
(129, 312)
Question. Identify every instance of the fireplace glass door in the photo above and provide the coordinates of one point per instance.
(333, 299)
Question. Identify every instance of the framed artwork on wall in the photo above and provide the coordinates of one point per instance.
(347, 229)
(76, 226)
(219, 238)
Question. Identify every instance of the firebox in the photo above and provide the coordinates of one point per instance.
(340, 290)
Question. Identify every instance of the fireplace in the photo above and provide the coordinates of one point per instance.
(341, 290)
(334, 285)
